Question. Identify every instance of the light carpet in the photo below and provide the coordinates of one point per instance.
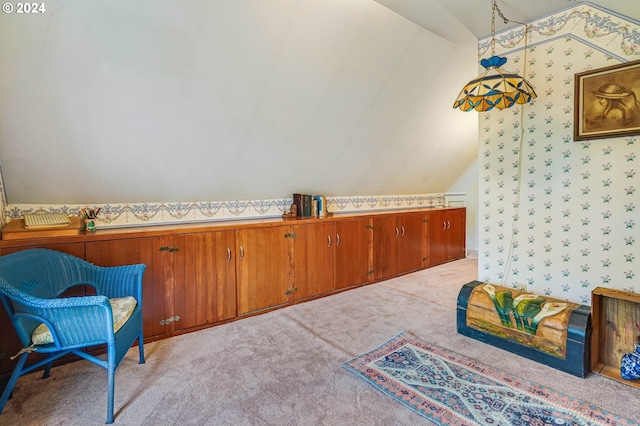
(284, 367)
(452, 389)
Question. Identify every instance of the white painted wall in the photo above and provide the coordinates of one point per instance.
(467, 187)
(121, 101)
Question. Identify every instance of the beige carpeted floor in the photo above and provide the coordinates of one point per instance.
(283, 367)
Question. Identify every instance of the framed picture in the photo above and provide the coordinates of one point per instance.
(607, 102)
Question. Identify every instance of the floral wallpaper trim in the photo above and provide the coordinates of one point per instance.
(588, 23)
(121, 215)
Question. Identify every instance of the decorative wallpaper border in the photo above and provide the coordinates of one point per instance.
(586, 22)
(122, 215)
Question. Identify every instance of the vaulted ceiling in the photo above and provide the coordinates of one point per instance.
(462, 20)
(114, 102)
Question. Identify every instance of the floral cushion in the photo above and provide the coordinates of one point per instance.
(122, 308)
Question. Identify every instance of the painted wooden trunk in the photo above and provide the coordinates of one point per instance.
(551, 331)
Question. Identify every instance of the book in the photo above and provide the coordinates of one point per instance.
(306, 205)
(297, 201)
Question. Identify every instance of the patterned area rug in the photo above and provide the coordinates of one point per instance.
(451, 389)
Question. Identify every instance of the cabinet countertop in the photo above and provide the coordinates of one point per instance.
(203, 226)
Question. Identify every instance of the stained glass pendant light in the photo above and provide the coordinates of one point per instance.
(495, 87)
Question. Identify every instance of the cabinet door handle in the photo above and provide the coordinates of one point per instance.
(228, 255)
(337, 240)
(448, 224)
(328, 240)
(241, 252)
(397, 232)
(444, 225)
(403, 231)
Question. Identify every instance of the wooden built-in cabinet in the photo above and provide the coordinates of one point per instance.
(155, 291)
(314, 260)
(264, 267)
(353, 263)
(397, 244)
(201, 275)
(330, 256)
(203, 279)
(447, 235)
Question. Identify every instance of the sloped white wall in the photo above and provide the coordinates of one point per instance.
(467, 186)
(573, 225)
(151, 101)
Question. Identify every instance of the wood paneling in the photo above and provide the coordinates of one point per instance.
(200, 275)
(264, 267)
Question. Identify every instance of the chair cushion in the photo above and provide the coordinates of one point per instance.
(122, 308)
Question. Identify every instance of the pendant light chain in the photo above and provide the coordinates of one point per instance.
(493, 28)
(493, 25)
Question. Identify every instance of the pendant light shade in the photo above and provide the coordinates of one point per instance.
(494, 88)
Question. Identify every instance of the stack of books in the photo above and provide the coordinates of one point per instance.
(310, 205)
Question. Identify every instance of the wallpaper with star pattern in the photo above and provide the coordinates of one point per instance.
(560, 216)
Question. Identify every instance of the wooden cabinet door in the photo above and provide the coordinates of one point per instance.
(447, 235)
(353, 263)
(410, 242)
(314, 251)
(438, 237)
(203, 278)
(456, 248)
(386, 233)
(147, 250)
(264, 267)
(426, 240)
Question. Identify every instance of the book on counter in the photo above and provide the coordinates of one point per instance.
(303, 205)
(297, 201)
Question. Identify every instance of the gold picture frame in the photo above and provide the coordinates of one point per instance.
(607, 102)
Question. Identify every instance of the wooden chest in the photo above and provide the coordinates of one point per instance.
(551, 331)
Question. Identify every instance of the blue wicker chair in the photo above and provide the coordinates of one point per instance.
(30, 283)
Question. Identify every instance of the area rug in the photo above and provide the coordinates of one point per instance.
(451, 389)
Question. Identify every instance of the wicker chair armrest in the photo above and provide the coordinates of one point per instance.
(118, 281)
(73, 320)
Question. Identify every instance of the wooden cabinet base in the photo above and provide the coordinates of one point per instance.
(205, 274)
(612, 311)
